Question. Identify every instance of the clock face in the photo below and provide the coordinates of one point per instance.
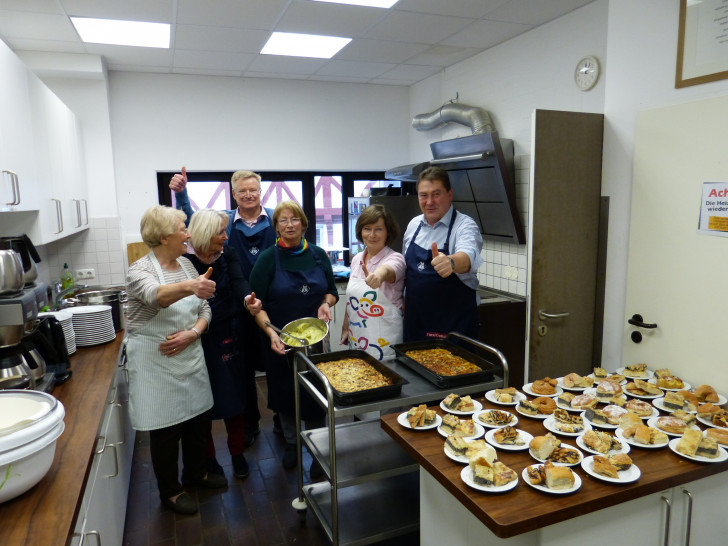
(586, 73)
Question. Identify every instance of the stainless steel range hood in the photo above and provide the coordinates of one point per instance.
(481, 172)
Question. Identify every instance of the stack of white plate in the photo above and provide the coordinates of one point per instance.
(93, 324)
(65, 317)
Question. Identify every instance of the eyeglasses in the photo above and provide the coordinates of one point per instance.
(286, 221)
(246, 193)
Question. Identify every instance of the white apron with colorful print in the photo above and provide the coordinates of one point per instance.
(375, 323)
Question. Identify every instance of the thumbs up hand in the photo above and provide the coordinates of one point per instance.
(203, 287)
(373, 280)
(253, 304)
(441, 263)
(179, 181)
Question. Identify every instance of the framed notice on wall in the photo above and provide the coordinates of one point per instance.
(702, 48)
(714, 209)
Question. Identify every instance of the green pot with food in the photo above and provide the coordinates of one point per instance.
(314, 331)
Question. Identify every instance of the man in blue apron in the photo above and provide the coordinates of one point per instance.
(442, 252)
(250, 232)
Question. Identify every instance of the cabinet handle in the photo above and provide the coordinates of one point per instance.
(688, 517)
(93, 533)
(78, 212)
(85, 208)
(15, 187)
(59, 216)
(121, 424)
(116, 465)
(543, 315)
(668, 510)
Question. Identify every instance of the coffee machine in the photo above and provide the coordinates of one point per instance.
(22, 366)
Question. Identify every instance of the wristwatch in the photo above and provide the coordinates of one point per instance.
(452, 262)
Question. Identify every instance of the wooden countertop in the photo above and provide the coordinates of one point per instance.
(46, 514)
(523, 508)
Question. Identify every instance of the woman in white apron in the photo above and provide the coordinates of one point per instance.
(373, 320)
(169, 388)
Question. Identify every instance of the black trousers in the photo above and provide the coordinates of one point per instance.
(253, 350)
(164, 446)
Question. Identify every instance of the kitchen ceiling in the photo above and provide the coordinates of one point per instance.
(398, 46)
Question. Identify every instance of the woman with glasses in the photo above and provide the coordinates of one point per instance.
(294, 280)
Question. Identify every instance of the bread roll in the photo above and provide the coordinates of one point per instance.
(543, 446)
(558, 477)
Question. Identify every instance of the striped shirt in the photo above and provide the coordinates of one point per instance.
(141, 288)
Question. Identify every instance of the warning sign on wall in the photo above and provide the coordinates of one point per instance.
(714, 209)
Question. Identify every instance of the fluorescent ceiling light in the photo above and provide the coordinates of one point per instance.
(368, 3)
(303, 45)
(127, 33)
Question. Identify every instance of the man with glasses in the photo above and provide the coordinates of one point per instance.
(250, 231)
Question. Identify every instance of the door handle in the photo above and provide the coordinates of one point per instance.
(688, 517)
(543, 315)
(638, 321)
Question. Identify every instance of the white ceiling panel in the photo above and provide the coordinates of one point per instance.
(398, 46)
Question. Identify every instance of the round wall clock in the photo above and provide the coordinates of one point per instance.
(587, 72)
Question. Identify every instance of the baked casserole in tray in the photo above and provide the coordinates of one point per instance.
(356, 377)
(443, 363)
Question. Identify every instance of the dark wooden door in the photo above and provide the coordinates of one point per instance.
(564, 241)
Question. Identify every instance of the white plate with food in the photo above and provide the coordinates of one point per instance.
(632, 474)
(722, 454)
(598, 425)
(659, 403)
(490, 397)
(467, 476)
(535, 416)
(462, 459)
(620, 435)
(479, 431)
(624, 449)
(565, 407)
(550, 425)
(685, 386)
(654, 424)
(622, 380)
(402, 420)
(558, 463)
(527, 389)
(542, 486)
(477, 406)
(643, 396)
(625, 373)
(708, 422)
(523, 436)
(560, 383)
(479, 417)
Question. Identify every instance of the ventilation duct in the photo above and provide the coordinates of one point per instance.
(476, 118)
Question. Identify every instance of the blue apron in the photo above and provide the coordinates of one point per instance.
(292, 295)
(435, 306)
(249, 242)
(220, 343)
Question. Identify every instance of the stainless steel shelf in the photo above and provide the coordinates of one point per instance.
(364, 452)
(369, 512)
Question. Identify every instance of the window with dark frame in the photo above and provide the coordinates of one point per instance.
(323, 195)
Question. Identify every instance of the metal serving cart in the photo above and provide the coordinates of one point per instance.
(371, 487)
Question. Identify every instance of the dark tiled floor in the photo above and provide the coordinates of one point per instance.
(255, 511)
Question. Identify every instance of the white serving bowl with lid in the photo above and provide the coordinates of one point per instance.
(30, 424)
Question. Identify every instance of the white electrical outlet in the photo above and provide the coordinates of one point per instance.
(85, 274)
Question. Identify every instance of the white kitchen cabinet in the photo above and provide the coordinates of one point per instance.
(17, 161)
(53, 190)
(103, 507)
(659, 519)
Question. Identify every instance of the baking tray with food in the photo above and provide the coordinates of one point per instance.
(356, 377)
(431, 360)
